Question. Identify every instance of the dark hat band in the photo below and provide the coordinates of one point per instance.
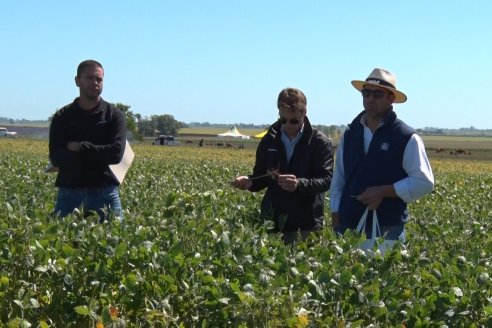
(381, 82)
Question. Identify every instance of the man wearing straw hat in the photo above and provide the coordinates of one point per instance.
(381, 163)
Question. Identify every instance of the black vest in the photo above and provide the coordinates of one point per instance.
(382, 165)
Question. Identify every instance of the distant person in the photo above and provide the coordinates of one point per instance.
(294, 162)
(200, 143)
(85, 137)
(381, 163)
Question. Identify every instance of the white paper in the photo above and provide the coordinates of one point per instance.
(119, 170)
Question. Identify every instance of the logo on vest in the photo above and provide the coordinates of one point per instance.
(385, 146)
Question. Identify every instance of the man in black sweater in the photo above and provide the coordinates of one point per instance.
(87, 136)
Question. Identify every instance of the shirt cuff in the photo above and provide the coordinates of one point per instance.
(402, 191)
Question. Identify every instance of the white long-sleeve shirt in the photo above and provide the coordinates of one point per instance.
(420, 180)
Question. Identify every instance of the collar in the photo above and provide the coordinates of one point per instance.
(363, 121)
(388, 119)
(95, 109)
(297, 137)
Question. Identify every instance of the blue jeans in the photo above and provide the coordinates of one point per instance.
(90, 199)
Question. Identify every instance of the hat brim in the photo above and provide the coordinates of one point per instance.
(400, 97)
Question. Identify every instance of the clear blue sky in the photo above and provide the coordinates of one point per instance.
(226, 61)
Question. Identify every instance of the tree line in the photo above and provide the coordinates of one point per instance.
(166, 124)
(141, 127)
(154, 125)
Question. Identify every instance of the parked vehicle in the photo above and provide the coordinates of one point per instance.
(7, 134)
(165, 141)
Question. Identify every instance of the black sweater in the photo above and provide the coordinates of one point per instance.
(102, 136)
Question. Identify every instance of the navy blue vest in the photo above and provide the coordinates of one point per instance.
(382, 165)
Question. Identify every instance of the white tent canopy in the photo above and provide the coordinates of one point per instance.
(233, 132)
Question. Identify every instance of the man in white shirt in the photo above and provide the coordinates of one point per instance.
(381, 163)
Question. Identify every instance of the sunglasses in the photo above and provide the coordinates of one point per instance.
(377, 94)
(292, 121)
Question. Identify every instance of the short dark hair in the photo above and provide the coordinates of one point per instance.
(88, 63)
(293, 99)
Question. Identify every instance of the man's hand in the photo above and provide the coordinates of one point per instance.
(242, 182)
(73, 146)
(373, 196)
(287, 182)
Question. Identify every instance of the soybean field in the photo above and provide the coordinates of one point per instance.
(193, 252)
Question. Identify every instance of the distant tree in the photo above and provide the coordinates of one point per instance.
(166, 124)
(146, 127)
(131, 120)
(159, 124)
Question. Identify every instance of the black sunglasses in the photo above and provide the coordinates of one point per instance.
(377, 94)
(292, 121)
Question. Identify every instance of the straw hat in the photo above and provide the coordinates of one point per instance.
(382, 78)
